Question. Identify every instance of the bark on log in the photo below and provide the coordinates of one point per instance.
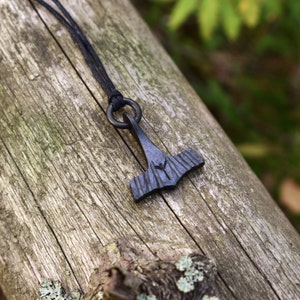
(65, 171)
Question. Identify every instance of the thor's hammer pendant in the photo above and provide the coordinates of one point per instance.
(164, 171)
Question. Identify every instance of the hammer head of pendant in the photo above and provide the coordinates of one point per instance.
(165, 173)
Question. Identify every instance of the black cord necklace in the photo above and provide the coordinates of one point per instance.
(164, 171)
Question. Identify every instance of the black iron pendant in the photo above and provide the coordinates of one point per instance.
(164, 171)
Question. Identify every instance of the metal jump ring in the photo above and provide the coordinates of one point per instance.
(123, 125)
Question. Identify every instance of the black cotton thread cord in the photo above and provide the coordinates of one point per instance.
(115, 98)
(164, 171)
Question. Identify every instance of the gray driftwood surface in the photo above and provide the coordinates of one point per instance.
(65, 171)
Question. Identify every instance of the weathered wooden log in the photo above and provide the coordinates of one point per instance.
(65, 171)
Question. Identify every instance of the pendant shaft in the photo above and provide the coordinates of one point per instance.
(164, 171)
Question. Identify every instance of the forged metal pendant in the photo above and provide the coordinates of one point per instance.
(164, 171)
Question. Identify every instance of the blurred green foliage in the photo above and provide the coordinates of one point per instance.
(245, 65)
(229, 15)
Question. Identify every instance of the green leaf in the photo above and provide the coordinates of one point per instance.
(208, 16)
(230, 19)
(253, 150)
(273, 8)
(250, 11)
(181, 12)
(294, 8)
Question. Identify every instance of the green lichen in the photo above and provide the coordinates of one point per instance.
(76, 296)
(100, 296)
(193, 273)
(52, 290)
(185, 285)
(146, 297)
(209, 298)
(184, 263)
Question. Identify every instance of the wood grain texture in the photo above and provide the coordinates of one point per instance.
(65, 171)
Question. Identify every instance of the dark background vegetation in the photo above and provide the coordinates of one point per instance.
(251, 84)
